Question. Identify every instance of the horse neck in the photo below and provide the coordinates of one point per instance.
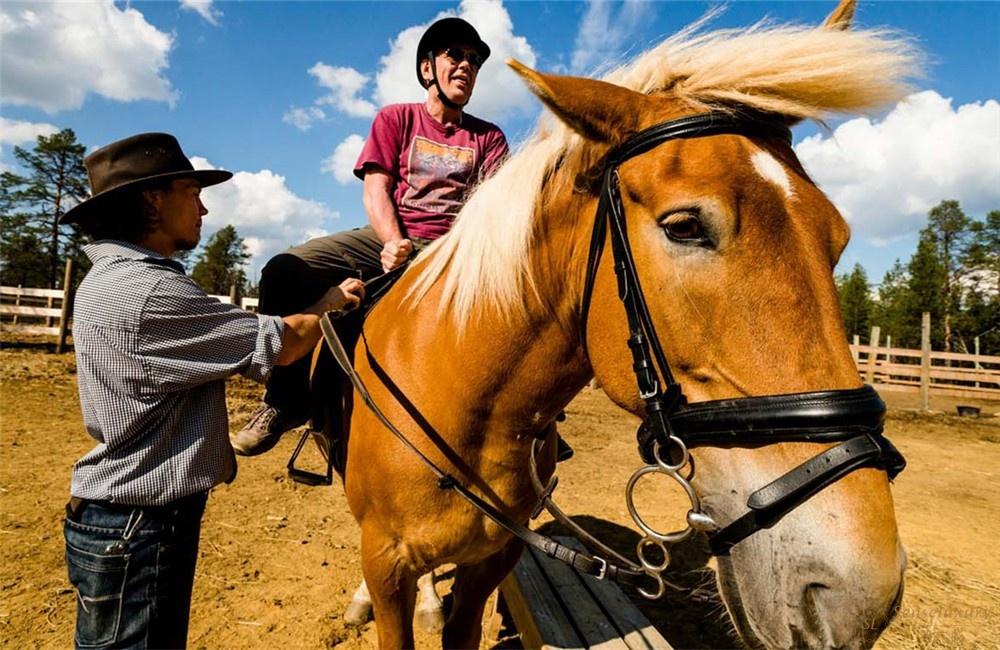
(519, 370)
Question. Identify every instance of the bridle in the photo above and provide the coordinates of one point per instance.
(851, 417)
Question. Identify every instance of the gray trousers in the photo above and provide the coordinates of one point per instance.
(294, 280)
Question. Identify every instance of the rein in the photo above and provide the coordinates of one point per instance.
(851, 417)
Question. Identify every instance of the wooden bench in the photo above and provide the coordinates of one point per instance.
(553, 606)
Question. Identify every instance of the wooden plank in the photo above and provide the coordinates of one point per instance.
(28, 291)
(535, 608)
(23, 310)
(29, 329)
(590, 621)
(637, 631)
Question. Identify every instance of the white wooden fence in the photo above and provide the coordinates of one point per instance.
(925, 371)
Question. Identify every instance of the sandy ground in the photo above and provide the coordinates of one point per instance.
(279, 561)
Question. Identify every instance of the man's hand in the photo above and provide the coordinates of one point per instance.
(395, 253)
(347, 295)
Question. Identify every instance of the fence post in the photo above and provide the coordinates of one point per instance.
(67, 302)
(975, 342)
(232, 295)
(925, 361)
(872, 354)
(17, 303)
(48, 305)
(856, 350)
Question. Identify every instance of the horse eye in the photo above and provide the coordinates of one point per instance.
(683, 227)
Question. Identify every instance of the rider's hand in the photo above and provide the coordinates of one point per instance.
(395, 253)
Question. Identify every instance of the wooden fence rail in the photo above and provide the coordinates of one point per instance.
(928, 372)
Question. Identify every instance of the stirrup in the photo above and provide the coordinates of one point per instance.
(304, 476)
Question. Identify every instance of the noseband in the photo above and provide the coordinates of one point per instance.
(852, 417)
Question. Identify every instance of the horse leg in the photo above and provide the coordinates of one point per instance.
(430, 612)
(473, 585)
(393, 590)
(359, 611)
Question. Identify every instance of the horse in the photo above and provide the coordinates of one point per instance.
(494, 329)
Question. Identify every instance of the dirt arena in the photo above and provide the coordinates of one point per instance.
(279, 561)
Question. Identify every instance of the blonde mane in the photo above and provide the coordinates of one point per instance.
(801, 72)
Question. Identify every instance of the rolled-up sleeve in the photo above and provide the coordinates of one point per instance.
(187, 338)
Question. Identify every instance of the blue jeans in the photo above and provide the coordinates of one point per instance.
(133, 571)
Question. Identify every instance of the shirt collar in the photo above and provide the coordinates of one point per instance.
(114, 248)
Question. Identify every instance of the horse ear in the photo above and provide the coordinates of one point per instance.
(841, 17)
(595, 109)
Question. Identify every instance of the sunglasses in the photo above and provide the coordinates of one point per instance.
(457, 55)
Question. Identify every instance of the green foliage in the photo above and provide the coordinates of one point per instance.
(220, 263)
(856, 303)
(954, 274)
(33, 247)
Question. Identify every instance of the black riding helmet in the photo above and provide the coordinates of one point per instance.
(445, 32)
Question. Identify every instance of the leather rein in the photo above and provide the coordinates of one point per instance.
(852, 417)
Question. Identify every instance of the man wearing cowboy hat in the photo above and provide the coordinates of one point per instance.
(418, 164)
(153, 352)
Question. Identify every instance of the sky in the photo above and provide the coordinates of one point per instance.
(283, 93)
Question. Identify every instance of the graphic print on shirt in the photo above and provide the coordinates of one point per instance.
(437, 175)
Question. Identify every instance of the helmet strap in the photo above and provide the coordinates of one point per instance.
(444, 98)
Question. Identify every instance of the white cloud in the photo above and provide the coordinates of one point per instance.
(498, 90)
(19, 132)
(603, 35)
(265, 212)
(344, 85)
(56, 53)
(885, 176)
(341, 162)
(203, 8)
(303, 118)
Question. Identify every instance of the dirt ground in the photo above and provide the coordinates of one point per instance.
(279, 561)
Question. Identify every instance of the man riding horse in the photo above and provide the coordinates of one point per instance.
(417, 166)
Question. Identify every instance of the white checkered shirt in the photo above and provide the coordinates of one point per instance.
(153, 352)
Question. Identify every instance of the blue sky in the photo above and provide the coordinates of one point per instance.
(283, 92)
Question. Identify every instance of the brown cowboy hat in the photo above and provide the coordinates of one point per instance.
(132, 162)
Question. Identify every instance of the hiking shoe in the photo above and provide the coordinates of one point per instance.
(264, 430)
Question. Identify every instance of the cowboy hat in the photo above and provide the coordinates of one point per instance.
(133, 162)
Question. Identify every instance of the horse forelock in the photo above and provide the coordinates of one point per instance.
(796, 71)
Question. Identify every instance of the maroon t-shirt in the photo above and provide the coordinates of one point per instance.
(433, 164)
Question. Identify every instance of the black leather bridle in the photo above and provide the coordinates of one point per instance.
(851, 417)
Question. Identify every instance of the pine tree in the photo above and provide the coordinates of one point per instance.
(856, 303)
(55, 180)
(926, 288)
(949, 229)
(890, 310)
(220, 263)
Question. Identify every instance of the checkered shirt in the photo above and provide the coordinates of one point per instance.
(153, 352)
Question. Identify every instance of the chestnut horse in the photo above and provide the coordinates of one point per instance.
(480, 345)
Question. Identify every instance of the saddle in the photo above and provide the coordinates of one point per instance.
(331, 396)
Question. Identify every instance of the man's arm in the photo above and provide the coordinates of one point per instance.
(384, 219)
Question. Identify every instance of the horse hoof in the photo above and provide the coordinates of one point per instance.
(358, 613)
(430, 620)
